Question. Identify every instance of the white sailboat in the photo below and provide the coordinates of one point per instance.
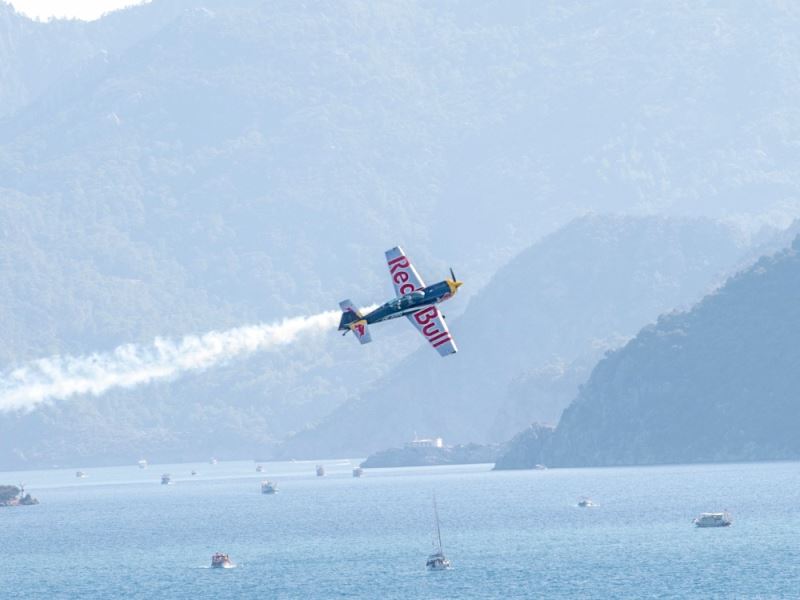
(437, 561)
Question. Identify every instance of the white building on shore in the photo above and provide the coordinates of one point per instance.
(425, 443)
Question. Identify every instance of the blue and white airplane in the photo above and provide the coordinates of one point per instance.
(414, 300)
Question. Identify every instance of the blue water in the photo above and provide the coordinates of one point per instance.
(120, 534)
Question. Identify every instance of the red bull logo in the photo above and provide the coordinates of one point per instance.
(428, 319)
(359, 329)
(397, 269)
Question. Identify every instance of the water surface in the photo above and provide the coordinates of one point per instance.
(119, 533)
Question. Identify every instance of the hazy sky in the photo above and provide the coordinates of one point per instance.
(78, 9)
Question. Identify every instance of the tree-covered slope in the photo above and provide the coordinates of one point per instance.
(261, 153)
(39, 56)
(189, 165)
(717, 383)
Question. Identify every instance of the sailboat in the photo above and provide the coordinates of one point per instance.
(437, 561)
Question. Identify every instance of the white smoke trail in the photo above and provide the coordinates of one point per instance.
(60, 377)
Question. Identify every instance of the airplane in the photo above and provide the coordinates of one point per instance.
(414, 300)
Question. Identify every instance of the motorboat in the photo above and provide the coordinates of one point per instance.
(220, 560)
(213, 461)
(142, 464)
(437, 561)
(259, 469)
(358, 472)
(166, 479)
(586, 503)
(80, 475)
(269, 487)
(716, 519)
(320, 471)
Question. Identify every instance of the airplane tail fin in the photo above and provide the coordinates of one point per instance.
(353, 320)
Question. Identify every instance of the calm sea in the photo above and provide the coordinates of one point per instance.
(120, 534)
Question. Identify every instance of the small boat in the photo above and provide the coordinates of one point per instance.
(719, 519)
(269, 487)
(80, 475)
(437, 561)
(166, 479)
(213, 461)
(586, 503)
(220, 560)
(539, 468)
(358, 472)
(142, 464)
(320, 471)
(194, 472)
(259, 469)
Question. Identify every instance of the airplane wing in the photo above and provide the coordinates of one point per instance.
(430, 323)
(404, 276)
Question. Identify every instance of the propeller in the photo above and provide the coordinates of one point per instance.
(453, 283)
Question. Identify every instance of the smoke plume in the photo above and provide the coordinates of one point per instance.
(60, 377)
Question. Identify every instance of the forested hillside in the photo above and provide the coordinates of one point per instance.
(190, 165)
(717, 383)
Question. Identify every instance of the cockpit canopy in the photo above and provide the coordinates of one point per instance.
(407, 300)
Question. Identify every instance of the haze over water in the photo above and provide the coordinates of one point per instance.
(508, 534)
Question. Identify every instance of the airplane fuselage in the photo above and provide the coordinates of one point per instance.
(410, 303)
(414, 300)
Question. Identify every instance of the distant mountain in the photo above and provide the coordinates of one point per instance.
(39, 56)
(529, 337)
(541, 394)
(189, 165)
(717, 383)
(526, 448)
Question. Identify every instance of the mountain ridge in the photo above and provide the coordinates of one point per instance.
(716, 383)
(618, 260)
(194, 165)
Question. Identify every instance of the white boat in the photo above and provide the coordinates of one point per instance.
(213, 461)
(586, 503)
(719, 519)
(166, 479)
(220, 560)
(142, 464)
(80, 474)
(269, 487)
(259, 469)
(437, 561)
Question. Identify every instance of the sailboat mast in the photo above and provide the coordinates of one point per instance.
(436, 517)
